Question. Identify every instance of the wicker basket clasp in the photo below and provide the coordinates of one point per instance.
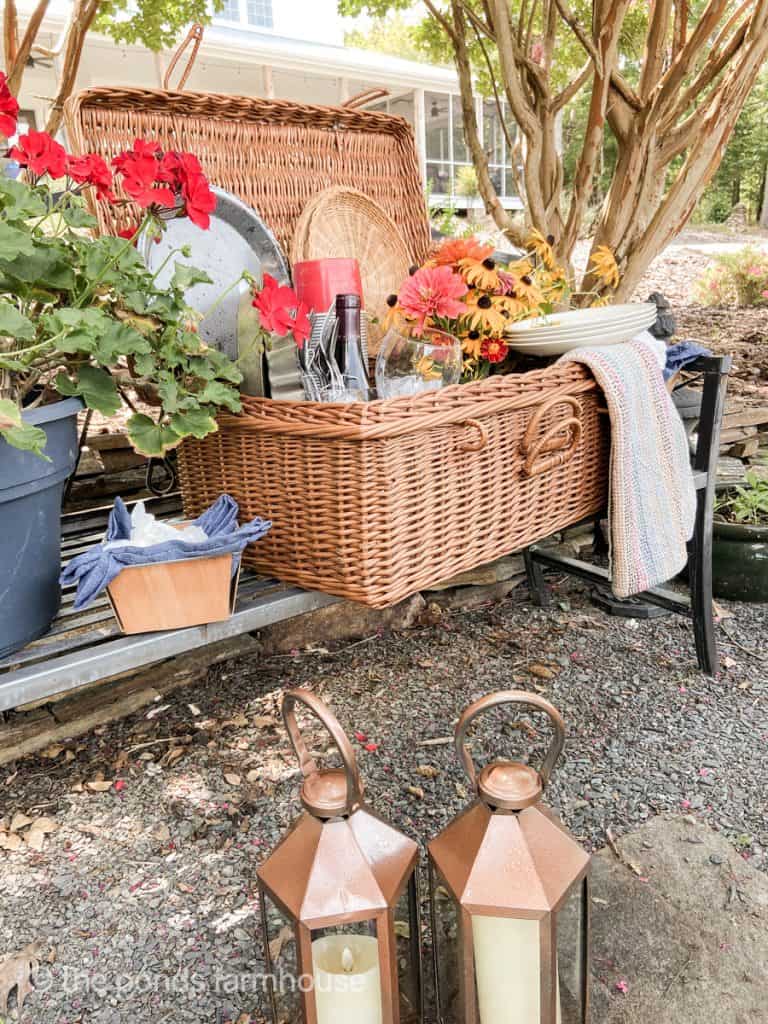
(481, 441)
(560, 440)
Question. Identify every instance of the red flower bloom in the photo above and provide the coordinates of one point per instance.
(92, 170)
(185, 175)
(41, 154)
(142, 175)
(433, 292)
(274, 303)
(129, 233)
(494, 350)
(9, 108)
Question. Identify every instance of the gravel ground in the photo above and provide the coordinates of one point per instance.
(143, 897)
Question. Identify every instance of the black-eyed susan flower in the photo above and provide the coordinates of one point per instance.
(481, 274)
(604, 267)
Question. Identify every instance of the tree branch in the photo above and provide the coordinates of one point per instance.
(10, 32)
(16, 71)
(680, 29)
(83, 15)
(566, 95)
(655, 40)
(680, 67)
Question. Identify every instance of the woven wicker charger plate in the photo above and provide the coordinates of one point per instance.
(344, 222)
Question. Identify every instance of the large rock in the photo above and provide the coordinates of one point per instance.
(690, 941)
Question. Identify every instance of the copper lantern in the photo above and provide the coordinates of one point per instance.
(510, 895)
(339, 900)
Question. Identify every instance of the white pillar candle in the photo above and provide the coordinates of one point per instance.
(347, 979)
(508, 970)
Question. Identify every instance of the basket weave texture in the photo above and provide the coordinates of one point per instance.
(272, 154)
(376, 501)
(370, 501)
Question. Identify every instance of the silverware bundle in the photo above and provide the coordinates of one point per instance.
(321, 376)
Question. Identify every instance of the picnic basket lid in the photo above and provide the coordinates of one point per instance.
(275, 155)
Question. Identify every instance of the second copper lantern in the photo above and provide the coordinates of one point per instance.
(339, 901)
(510, 897)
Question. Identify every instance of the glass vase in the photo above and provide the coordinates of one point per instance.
(409, 364)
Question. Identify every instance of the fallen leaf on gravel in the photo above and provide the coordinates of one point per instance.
(121, 761)
(90, 830)
(19, 821)
(254, 775)
(163, 833)
(10, 842)
(194, 709)
(265, 721)
(239, 721)
(416, 791)
(154, 712)
(38, 830)
(428, 771)
(51, 752)
(16, 973)
(276, 945)
(98, 786)
(402, 929)
(436, 742)
(173, 755)
(183, 887)
(541, 671)
(232, 778)
(461, 791)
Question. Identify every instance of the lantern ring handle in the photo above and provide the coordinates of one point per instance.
(494, 700)
(307, 763)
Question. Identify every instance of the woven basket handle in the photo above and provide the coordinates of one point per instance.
(561, 440)
(495, 700)
(366, 96)
(307, 763)
(194, 38)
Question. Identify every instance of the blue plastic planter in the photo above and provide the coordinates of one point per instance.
(31, 490)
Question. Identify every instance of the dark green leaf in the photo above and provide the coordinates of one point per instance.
(14, 323)
(197, 422)
(14, 242)
(186, 277)
(95, 386)
(150, 438)
(18, 201)
(78, 217)
(18, 433)
(216, 393)
(118, 339)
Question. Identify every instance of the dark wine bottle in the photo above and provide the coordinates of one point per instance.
(349, 346)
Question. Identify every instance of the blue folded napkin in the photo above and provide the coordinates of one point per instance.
(95, 568)
(682, 353)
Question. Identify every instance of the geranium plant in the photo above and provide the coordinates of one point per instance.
(280, 313)
(82, 315)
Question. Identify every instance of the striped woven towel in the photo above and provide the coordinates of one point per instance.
(651, 496)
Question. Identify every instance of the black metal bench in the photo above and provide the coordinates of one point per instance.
(697, 606)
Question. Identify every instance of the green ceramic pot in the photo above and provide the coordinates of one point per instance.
(740, 562)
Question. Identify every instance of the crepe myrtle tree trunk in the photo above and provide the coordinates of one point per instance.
(671, 126)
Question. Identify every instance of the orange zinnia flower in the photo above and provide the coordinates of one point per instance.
(452, 250)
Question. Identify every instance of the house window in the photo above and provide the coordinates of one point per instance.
(446, 146)
(257, 13)
(403, 106)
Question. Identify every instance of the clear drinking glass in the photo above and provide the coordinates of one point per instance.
(408, 364)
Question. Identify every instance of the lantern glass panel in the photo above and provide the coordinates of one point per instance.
(570, 958)
(284, 982)
(407, 940)
(447, 942)
(347, 974)
(507, 969)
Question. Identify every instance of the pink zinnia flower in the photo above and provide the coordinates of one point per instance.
(433, 292)
(755, 271)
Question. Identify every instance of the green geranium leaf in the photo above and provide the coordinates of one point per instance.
(14, 324)
(217, 393)
(78, 217)
(145, 364)
(18, 433)
(118, 339)
(197, 422)
(14, 242)
(150, 438)
(18, 201)
(94, 385)
(49, 265)
(185, 277)
(80, 329)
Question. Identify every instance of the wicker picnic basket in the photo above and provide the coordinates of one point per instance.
(370, 501)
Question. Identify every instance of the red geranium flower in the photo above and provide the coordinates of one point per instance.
(433, 292)
(494, 350)
(92, 170)
(274, 303)
(9, 108)
(185, 175)
(141, 169)
(41, 154)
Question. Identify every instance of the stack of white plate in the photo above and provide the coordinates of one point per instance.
(560, 332)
